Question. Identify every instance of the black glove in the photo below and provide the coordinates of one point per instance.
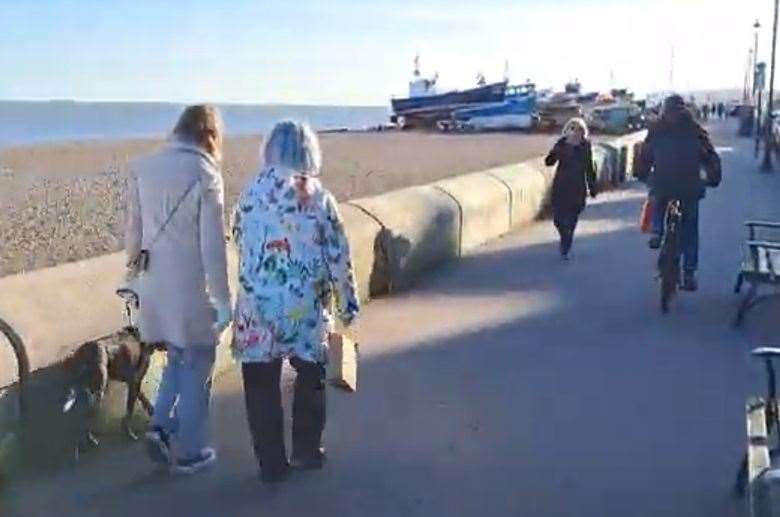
(593, 194)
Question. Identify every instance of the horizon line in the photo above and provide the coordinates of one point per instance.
(188, 102)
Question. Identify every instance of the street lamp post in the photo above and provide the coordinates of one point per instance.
(757, 87)
(767, 165)
(746, 86)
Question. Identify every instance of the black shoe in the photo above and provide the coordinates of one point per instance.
(654, 243)
(272, 476)
(310, 462)
(158, 446)
(689, 282)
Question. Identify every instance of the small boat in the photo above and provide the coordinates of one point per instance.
(517, 111)
(616, 118)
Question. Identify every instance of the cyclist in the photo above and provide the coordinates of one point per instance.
(670, 161)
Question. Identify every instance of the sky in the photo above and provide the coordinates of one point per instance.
(361, 52)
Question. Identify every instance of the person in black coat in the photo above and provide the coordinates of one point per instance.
(574, 178)
(671, 158)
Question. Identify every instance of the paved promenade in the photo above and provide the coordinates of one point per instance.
(507, 384)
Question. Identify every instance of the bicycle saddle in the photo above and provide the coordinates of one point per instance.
(766, 352)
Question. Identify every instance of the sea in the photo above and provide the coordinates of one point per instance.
(38, 122)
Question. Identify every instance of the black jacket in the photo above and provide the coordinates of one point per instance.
(672, 156)
(574, 177)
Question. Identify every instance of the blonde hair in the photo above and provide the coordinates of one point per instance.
(201, 125)
(293, 145)
(576, 122)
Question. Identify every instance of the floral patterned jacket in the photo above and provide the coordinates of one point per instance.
(294, 257)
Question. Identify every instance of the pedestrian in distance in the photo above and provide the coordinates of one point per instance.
(675, 150)
(294, 267)
(575, 176)
(175, 227)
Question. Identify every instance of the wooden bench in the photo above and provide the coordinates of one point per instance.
(760, 265)
(762, 418)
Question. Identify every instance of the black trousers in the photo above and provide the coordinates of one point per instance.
(566, 222)
(263, 396)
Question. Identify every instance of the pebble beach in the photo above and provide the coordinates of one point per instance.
(62, 202)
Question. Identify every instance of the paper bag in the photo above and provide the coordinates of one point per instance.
(342, 362)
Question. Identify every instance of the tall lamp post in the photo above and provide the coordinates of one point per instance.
(746, 86)
(767, 165)
(757, 88)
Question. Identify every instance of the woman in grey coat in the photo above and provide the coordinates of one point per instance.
(175, 216)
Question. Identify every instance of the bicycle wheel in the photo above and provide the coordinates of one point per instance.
(670, 276)
(669, 255)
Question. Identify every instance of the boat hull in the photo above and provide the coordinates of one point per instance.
(507, 121)
(417, 106)
(513, 113)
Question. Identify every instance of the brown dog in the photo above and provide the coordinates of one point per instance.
(119, 357)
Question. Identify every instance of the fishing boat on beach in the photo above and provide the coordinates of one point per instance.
(516, 111)
(425, 106)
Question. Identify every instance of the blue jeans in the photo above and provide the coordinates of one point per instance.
(689, 235)
(182, 405)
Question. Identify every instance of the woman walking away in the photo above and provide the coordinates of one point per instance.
(175, 234)
(574, 177)
(293, 256)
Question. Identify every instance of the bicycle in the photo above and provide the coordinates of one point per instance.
(670, 254)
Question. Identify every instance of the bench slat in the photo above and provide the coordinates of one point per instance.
(771, 245)
(763, 224)
(758, 450)
(764, 251)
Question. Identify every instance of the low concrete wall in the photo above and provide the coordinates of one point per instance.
(56, 309)
(485, 205)
(633, 145)
(363, 233)
(527, 191)
(607, 159)
(420, 229)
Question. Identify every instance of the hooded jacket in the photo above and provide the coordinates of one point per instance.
(672, 156)
(294, 260)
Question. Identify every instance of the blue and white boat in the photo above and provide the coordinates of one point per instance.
(516, 111)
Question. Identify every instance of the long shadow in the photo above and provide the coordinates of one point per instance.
(596, 405)
(530, 417)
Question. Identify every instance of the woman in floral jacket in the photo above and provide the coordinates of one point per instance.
(294, 262)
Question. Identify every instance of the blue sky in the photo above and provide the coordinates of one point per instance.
(361, 51)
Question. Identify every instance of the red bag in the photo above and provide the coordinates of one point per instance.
(646, 217)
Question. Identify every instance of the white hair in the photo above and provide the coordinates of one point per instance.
(578, 122)
(293, 145)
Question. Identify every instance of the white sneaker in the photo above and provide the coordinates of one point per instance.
(206, 458)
